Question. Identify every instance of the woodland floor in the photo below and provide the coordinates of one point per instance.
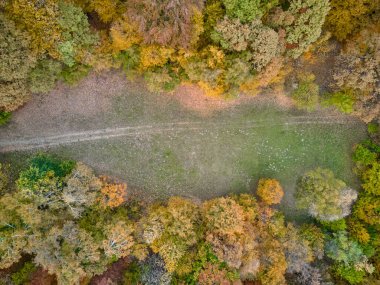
(181, 143)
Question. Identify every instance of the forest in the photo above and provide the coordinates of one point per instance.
(64, 222)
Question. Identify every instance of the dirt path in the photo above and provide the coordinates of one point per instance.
(133, 131)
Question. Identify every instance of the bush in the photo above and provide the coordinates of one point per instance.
(132, 275)
(350, 274)
(306, 95)
(22, 276)
(72, 75)
(5, 117)
(343, 100)
(363, 155)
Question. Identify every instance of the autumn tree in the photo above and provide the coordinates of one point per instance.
(81, 189)
(347, 16)
(16, 60)
(270, 191)
(69, 252)
(171, 230)
(42, 182)
(261, 41)
(324, 196)
(39, 19)
(112, 195)
(357, 69)
(167, 23)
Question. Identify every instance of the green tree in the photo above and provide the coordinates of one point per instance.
(302, 21)
(42, 181)
(248, 10)
(324, 196)
(259, 40)
(76, 35)
(43, 77)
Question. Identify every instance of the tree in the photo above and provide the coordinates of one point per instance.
(371, 179)
(324, 196)
(302, 22)
(69, 252)
(270, 191)
(44, 75)
(76, 34)
(119, 240)
(248, 10)
(106, 9)
(165, 22)
(16, 59)
(260, 40)
(124, 34)
(81, 190)
(154, 272)
(39, 19)
(112, 195)
(348, 16)
(42, 182)
(347, 253)
(171, 230)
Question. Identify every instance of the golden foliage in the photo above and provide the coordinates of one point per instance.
(106, 9)
(270, 191)
(112, 195)
(153, 56)
(124, 34)
(40, 21)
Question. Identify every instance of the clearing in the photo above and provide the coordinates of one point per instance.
(161, 147)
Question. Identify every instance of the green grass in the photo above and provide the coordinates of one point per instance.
(230, 153)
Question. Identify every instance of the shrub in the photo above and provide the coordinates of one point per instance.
(132, 274)
(5, 117)
(22, 276)
(343, 100)
(270, 191)
(350, 274)
(371, 179)
(4, 178)
(325, 197)
(363, 155)
(72, 75)
(306, 95)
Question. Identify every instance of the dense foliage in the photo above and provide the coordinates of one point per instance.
(75, 224)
